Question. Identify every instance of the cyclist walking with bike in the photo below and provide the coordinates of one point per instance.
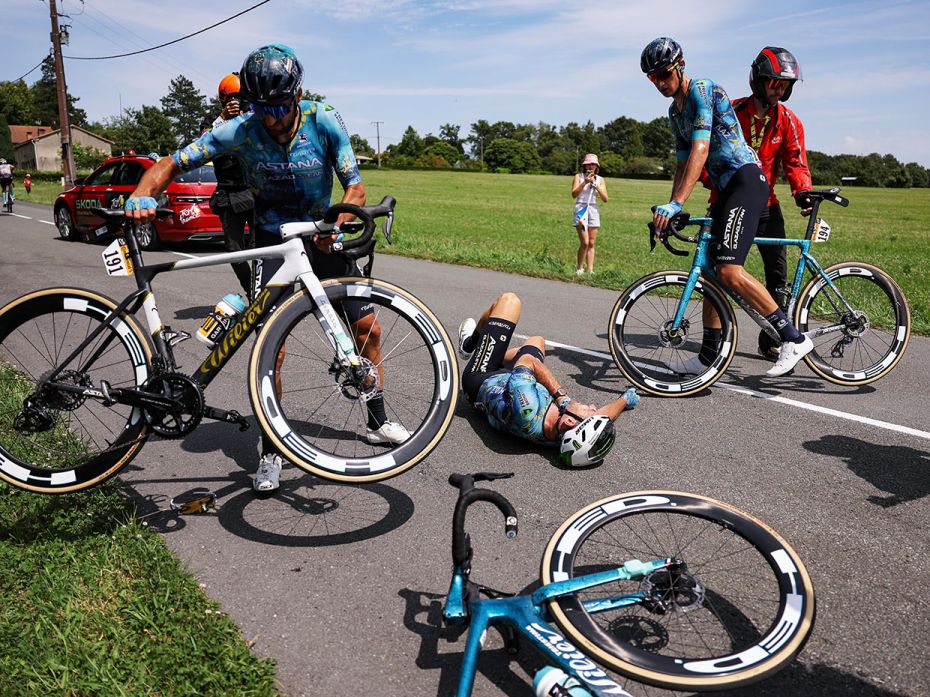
(707, 134)
(289, 150)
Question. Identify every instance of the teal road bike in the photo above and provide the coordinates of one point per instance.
(855, 313)
(669, 589)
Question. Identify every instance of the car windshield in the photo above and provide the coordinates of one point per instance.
(205, 174)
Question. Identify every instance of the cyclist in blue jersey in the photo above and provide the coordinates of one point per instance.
(289, 150)
(708, 135)
(518, 394)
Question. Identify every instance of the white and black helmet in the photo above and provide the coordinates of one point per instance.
(588, 443)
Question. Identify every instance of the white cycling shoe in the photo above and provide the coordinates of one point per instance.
(687, 366)
(390, 433)
(466, 329)
(268, 474)
(788, 356)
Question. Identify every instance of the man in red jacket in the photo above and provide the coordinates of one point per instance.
(777, 136)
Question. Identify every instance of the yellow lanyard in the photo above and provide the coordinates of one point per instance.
(759, 133)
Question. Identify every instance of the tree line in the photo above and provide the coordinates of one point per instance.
(626, 147)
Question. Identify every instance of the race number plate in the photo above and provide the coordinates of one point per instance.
(116, 258)
(822, 232)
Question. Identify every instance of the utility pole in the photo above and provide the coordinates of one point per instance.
(67, 157)
(378, 136)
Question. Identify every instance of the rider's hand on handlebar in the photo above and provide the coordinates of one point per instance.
(664, 213)
(140, 208)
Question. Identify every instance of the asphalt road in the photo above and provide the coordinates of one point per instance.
(343, 585)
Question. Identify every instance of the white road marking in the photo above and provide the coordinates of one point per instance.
(906, 430)
(47, 222)
(17, 215)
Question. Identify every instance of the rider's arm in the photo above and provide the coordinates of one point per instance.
(688, 175)
(155, 180)
(613, 409)
(794, 159)
(541, 372)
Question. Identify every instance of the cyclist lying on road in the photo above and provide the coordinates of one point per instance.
(518, 394)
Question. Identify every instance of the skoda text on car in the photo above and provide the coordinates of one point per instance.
(110, 184)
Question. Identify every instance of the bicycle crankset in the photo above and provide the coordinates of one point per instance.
(186, 411)
(359, 382)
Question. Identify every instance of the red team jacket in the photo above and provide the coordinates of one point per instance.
(781, 146)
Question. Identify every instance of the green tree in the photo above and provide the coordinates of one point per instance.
(186, 109)
(611, 164)
(479, 137)
(313, 96)
(145, 130)
(449, 133)
(85, 158)
(657, 138)
(622, 136)
(360, 146)
(6, 143)
(16, 103)
(411, 145)
(45, 99)
(581, 140)
(441, 154)
(920, 176)
(514, 155)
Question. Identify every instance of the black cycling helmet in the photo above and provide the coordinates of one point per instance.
(270, 75)
(773, 63)
(660, 54)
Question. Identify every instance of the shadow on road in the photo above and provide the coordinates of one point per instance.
(901, 471)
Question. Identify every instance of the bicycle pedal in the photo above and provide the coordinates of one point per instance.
(231, 417)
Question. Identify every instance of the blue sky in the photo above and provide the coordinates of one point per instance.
(429, 62)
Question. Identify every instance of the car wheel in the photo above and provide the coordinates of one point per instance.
(147, 237)
(65, 224)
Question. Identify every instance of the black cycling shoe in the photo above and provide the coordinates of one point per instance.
(768, 347)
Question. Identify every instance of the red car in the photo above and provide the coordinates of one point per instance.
(115, 179)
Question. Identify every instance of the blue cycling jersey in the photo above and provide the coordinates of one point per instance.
(708, 115)
(292, 182)
(515, 403)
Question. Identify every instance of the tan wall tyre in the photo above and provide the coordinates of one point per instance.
(648, 351)
(320, 421)
(63, 441)
(869, 341)
(741, 610)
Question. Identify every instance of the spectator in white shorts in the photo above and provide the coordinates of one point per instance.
(587, 187)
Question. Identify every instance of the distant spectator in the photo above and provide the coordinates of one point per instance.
(27, 183)
(587, 187)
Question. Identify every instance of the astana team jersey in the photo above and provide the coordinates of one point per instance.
(708, 115)
(513, 402)
(292, 182)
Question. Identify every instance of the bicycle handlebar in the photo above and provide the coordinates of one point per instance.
(683, 219)
(468, 494)
(114, 213)
(359, 246)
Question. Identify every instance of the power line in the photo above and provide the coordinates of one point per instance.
(168, 43)
(38, 65)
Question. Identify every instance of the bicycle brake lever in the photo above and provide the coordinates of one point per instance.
(491, 476)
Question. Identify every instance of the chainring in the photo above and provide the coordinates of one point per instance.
(186, 413)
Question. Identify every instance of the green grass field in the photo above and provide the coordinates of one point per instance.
(522, 224)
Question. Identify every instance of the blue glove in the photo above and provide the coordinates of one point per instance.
(138, 203)
(632, 399)
(669, 210)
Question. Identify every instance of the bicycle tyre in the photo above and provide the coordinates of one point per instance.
(420, 371)
(875, 353)
(642, 351)
(88, 442)
(751, 643)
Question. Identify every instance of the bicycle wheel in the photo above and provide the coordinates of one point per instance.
(61, 441)
(741, 610)
(649, 353)
(319, 422)
(863, 343)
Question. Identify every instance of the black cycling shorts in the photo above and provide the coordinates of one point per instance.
(324, 266)
(736, 215)
(488, 358)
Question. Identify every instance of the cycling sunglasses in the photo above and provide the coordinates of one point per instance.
(777, 83)
(275, 111)
(661, 74)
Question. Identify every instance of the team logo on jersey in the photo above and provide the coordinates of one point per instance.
(776, 140)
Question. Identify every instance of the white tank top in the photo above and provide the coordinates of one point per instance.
(6, 171)
(588, 193)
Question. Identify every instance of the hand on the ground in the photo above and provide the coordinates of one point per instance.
(631, 399)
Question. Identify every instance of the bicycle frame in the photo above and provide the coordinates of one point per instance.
(296, 268)
(528, 614)
(702, 265)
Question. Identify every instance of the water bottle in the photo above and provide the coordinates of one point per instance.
(220, 319)
(554, 682)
